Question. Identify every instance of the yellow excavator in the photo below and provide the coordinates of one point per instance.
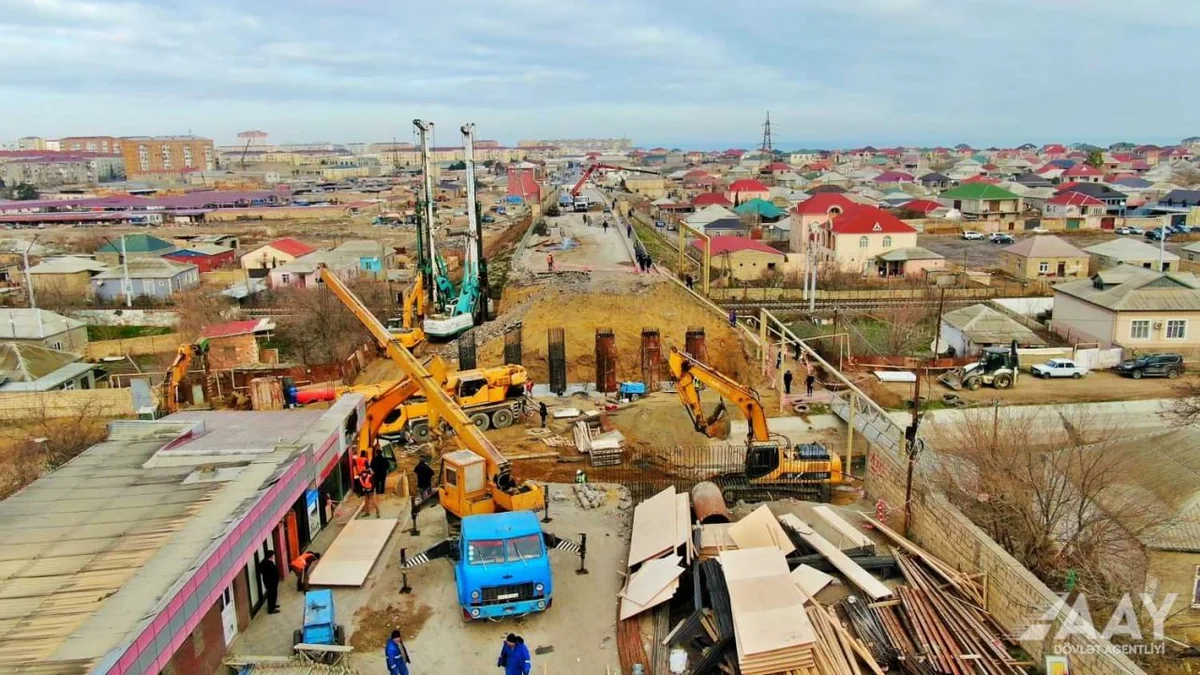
(774, 467)
(476, 480)
(407, 328)
(184, 356)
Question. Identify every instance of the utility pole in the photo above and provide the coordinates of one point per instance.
(126, 285)
(912, 445)
(28, 278)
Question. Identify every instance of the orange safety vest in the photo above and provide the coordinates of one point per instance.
(301, 562)
(360, 463)
(364, 480)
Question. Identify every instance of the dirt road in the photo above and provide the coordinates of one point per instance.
(1096, 386)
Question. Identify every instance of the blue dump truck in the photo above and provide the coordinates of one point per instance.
(501, 564)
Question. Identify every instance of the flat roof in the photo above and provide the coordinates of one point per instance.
(105, 550)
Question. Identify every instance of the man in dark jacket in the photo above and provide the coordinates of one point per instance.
(424, 477)
(380, 467)
(514, 656)
(543, 412)
(269, 571)
(787, 382)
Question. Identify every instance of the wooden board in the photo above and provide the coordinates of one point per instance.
(810, 580)
(352, 555)
(768, 609)
(850, 569)
(630, 608)
(758, 529)
(652, 578)
(851, 535)
(683, 524)
(653, 527)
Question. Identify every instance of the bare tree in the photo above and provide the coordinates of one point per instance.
(1185, 408)
(45, 438)
(907, 328)
(319, 329)
(197, 308)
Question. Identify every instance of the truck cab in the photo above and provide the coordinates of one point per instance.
(503, 567)
(582, 203)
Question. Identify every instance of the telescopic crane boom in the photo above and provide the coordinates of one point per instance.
(587, 173)
(482, 484)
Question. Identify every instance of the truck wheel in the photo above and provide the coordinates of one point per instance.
(1003, 381)
(502, 418)
(481, 421)
(974, 384)
(419, 432)
(339, 634)
(1172, 374)
(297, 636)
(1137, 374)
(634, 397)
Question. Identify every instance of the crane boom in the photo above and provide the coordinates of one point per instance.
(440, 403)
(687, 371)
(425, 244)
(587, 173)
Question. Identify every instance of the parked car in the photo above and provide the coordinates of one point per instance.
(1058, 368)
(660, 224)
(1134, 229)
(1123, 230)
(1152, 365)
(1001, 238)
(489, 218)
(972, 235)
(1040, 230)
(1182, 229)
(1158, 234)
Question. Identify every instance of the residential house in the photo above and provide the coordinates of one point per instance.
(235, 343)
(223, 240)
(1114, 200)
(1131, 307)
(207, 257)
(744, 190)
(273, 254)
(646, 185)
(1044, 257)
(810, 214)
(1191, 257)
(372, 256)
(1130, 251)
(924, 208)
(43, 327)
(967, 330)
(155, 278)
(857, 237)
(1078, 210)
(68, 276)
(133, 246)
(27, 366)
(742, 258)
(305, 272)
(1033, 180)
(760, 209)
(935, 181)
(980, 201)
(1187, 199)
(700, 219)
(710, 199)
(1083, 173)
(913, 261)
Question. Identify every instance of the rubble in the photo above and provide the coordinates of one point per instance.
(590, 496)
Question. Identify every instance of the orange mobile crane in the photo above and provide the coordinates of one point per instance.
(474, 481)
(774, 467)
(587, 173)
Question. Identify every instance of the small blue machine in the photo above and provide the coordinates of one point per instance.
(320, 625)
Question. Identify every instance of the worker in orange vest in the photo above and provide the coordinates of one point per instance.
(550, 262)
(302, 566)
(364, 485)
(360, 463)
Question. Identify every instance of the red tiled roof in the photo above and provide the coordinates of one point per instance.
(1055, 147)
(869, 220)
(292, 247)
(695, 173)
(1074, 199)
(733, 152)
(777, 166)
(1082, 169)
(229, 329)
(921, 205)
(821, 202)
(731, 244)
(747, 185)
(982, 179)
(990, 167)
(710, 198)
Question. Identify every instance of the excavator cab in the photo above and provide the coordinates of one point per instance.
(761, 460)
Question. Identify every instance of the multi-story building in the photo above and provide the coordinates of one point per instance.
(31, 143)
(103, 144)
(582, 146)
(45, 169)
(145, 154)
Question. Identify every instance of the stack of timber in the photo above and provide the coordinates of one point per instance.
(771, 629)
(715, 538)
(603, 448)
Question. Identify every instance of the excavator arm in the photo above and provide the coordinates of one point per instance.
(687, 372)
(414, 303)
(378, 407)
(177, 371)
(587, 173)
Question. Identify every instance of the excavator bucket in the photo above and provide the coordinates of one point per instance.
(717, 424)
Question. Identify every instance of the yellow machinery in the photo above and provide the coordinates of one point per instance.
(178, 370)
(408, 328)
(774, 467)
(490, 397)
(473, 483)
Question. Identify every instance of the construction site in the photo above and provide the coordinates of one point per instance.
(550, 434)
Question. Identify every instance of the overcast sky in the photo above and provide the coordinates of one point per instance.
(696, 73)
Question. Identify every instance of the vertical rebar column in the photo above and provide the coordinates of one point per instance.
(512, 345)
(606, 360)
(651, 358)
(694, 344)
(466, 351)
(558, 360)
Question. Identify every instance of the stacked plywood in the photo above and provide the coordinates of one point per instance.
(714, 538)
(653, 584)
(868, 584)
(661, 539)
(772, 631)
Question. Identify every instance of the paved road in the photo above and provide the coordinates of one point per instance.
(985, 255)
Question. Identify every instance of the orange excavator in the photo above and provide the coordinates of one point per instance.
(184, 357)
(476, 480)
(774, 467)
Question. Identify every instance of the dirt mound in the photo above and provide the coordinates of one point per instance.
(663, 306)
(375, 625)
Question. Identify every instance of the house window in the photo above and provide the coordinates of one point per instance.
(1043, 267)
(285, 278)
(1176, 329)
(887, 242)
(1139, 330)
(1196, 589)
(863, 242)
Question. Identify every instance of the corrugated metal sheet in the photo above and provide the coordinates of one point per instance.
(1136, 289)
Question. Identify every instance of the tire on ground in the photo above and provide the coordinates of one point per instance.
(481, 421)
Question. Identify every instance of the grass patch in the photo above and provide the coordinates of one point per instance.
(99, 333)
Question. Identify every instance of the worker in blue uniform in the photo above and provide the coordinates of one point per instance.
(396, 655)
(514, 656)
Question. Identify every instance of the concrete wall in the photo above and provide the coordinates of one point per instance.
(127, 317)
(78, 284)
(898, 294)
(1079, 321)
(97, 402)
(149, 344)
(1030, 268)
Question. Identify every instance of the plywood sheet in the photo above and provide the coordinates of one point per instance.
(653, 527)
(850, 534)
(683, 524)
(652, 578)
(352, 555)
(850, 569)
(768, 609)
(810, 580)
(758, 529)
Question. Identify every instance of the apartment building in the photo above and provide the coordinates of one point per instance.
(145, 154)
(109, 145)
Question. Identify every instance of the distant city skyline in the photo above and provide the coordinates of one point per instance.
(837, 72)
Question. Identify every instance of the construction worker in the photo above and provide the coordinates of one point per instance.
(302, 566)
(550, 262)
(514, 656)
(379, 471)
(787, 382)
(360, 463)
(544, 412)
(269, 571)
(808, 383)
(364, 485)
(733, 318)
(424, 474)
(396, 655)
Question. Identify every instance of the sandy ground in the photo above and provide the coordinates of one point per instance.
(1096, 386)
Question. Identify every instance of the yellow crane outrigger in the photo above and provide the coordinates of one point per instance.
(774, 467)
(473, 482)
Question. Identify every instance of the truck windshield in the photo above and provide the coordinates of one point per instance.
(528, 547)
(485, 551)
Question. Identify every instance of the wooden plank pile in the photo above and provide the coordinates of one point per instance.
(771, 628)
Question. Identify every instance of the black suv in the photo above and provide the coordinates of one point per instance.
(1153, 365)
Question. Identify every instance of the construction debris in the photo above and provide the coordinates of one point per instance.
(759, 529)
(852, 571)
(602, 448)
(655, 530)
(590, 496)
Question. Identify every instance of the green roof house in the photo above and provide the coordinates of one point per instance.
(136, 246)
(983, 201)
(761, 208)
